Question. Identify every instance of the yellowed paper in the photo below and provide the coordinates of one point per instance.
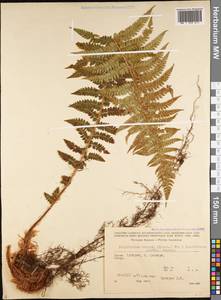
(37, 40)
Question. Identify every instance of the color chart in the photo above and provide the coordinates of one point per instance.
(215, 267)
(215, 151)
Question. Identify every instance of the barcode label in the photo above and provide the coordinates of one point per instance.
(185, 16)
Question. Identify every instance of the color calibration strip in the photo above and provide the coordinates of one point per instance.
(215, 148)
(215, 267)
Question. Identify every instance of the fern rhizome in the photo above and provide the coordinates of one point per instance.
(130, 82)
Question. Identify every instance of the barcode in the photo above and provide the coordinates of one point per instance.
(189, 16)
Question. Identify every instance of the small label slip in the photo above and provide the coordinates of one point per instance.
(189, 16)
(164, 262)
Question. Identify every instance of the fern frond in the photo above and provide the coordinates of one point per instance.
(72, 146)
(86, 34)
(148, 75)
(71, 160)
(159, 157)
(49, 198)
(133, 85)
(86, 106)
(95, 156)
(133, 29)
(112, 75)
(137, 42)
(103, 40)
(113, 111)
(79, 64)
(87, 91)
(160, 117)
(103, 67)
(166, 104)
(109, 129)
(99, 147)
(104, 137)
(152, 45)
(157, 83)
(77, 122)
(166, 174)
(155, 96)
(117, 90)
(84, 135)
(123, 84)
(65, 179)
(89, 46)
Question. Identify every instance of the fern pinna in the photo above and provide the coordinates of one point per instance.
(92, 130)
(94, 139)
(131, 82)
(136, 83)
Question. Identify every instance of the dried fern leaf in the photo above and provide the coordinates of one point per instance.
(95, 156)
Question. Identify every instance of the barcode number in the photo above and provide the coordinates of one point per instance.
(189, 15)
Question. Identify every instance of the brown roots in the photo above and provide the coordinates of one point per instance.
(30, 274)
(33, 273)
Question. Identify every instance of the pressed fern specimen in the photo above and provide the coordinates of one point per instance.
(123, 84)
(137, 83)
(93, 147)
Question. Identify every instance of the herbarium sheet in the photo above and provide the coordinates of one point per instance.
(113, 201)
